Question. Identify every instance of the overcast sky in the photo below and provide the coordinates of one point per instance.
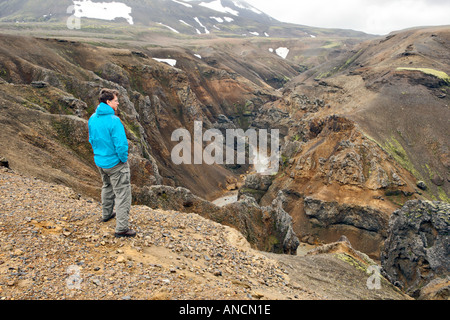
(371, 16)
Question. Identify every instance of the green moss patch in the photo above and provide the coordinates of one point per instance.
(438, 74)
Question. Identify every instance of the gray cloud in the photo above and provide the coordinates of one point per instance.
(377, 17)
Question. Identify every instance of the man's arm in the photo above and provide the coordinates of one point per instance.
(120, 140)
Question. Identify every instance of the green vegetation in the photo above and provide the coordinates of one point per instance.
(398, 152)
(443, 195)
(4, 74)
(272, 243)
(331, 44)
(133, 128)
(243, 112)
(71, 135)
(351, 60)
(351, 261)
(438, 74)
(335, 70)
(252, 191)
(284, 160)
(396, 196)
(326, 74)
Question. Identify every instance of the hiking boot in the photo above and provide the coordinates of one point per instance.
(111, 217)
(128, 233)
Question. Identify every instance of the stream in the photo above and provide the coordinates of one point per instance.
(228, 198)
(261, 165)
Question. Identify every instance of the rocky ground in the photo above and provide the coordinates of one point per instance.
(54, 246)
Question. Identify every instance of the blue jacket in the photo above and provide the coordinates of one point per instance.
(107, 137)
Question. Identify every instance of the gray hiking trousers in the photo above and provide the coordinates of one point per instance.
(116, 191)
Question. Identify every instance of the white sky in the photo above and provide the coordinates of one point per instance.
(371, 16)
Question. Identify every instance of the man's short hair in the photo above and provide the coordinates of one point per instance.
(108, 95)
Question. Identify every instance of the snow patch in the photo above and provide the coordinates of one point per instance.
(255, 10)
(266, 34)
(201, 25)
(218, 19)
(102, 10)
(254, 33)
(282, 52)
(168, 27)
(238, 5)
(271, 49)
(183, 22)
(217, 6)
(228, 19)
(241, 6)
(197, 55)
(312, 36)
(171, 62)
(184, 4)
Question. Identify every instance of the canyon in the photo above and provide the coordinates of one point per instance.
(362, 122)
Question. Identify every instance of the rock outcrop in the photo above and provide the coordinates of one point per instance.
(266, 228)
(365, 225)
(343, 246)
(255, 185)
(417, 250)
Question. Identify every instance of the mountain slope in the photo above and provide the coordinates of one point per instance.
(366, 132)
(209, 17)
(396, 88)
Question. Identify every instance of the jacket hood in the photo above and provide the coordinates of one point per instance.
(104, 109)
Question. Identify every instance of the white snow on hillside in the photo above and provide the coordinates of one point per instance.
(282, 52)
(228, 19)
(218, 19)
(171, 62)
(255, 10)
(254, 33)
(183, 22)
(168, 27)
(184, 4)
(237, 4)
(241, 6)
(102, 10)
(217, 6)
(201, 25)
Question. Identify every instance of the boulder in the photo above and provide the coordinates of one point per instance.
(422, 185)
(4, 162)
(417, 249)
(39, 84)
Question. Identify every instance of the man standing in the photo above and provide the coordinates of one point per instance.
(110, 145)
